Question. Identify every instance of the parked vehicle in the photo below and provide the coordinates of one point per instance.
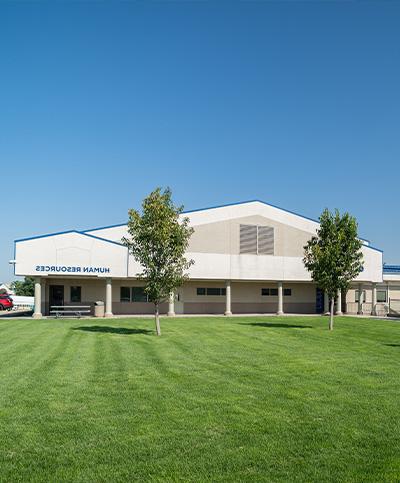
(6, 302)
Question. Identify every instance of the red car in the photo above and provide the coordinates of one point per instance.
(6, 302)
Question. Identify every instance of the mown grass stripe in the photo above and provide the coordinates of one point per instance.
(213, 399)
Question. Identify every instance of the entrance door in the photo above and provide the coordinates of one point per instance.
(56, 295)
(319, 301)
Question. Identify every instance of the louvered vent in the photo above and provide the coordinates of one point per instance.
(248, 239)
(256, 240)
(265, 240)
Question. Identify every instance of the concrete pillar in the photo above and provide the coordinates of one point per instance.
(373, 309)
(360, 299)
(43, 290)
(38, 299)
(108, 312)
(228, 307)
(280, 299)
(339, 303)
(326, 303)
(171, 305)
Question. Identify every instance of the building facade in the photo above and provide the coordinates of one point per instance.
(247, 260)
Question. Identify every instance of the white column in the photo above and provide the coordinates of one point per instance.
(108, 298)
(228, 308)
(43, 290)
(171, 305)
(38, 299)
(326, 303)
(373, 310)
(360, 299)
(339, 303)
(280, 299)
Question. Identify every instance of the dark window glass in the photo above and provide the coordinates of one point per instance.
(125, 294)
(138, 294)
(357, 295)
(213, 291)
(223, 291)
(76, 294)
(273, 291)
(201, 291)
(381, 296)
(265, 291)
(287, 292)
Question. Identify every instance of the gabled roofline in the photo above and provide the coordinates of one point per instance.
(268, 204)
(66, 232)
(85, 232)
(372, 248)
(251, 201)
(45, 236)
(219, 206)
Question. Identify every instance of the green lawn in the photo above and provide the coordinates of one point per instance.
(213, 399)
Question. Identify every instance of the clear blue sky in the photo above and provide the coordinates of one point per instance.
(297, 104)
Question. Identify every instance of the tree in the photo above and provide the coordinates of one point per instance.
(25, 288)
(334, 255)
(158, 241)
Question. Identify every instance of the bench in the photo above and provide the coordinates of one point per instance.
(69, 310)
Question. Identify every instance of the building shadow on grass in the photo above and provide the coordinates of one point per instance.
(112, 330)
(270, 325)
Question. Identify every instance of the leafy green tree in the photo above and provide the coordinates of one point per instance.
(25, 288)
(333, 256)
(158, 241)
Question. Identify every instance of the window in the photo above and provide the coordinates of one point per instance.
(211, 291)
(76, 294)
(381, 296)
(139, 295)
(125, 294)
(216, 291)
(256, 240)
(357, 296)
(269, 291)
(287, 292)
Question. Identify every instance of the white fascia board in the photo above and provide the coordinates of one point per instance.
(70, 254)
(391, 277)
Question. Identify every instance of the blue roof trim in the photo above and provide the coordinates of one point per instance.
(252, 201)
(85, 232)
(224, 206)
(373, 248)
(69, 231)
(45, 236)
(391, 268)
(102, 239)
(105, 227)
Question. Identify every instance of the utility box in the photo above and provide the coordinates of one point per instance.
(99, 309)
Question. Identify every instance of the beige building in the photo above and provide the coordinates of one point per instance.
(248, 259)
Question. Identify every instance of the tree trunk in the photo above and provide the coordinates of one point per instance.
(331, 317)
(157, 317)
